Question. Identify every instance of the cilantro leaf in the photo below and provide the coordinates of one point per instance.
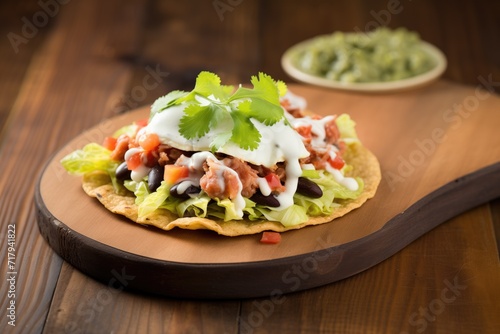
(166, 101)
(208, 84)
(211, 104)
(220, 140)
(245, 107)
(171, 98)
(266, 112)
(245, 134)
(265, 105)
(254, 109)
(264, 87)
(281, 88)
(197, 120)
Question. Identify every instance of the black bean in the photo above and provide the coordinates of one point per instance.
(191, 190)
(308, 188)
(269, 200)
(155, 177)
(122, 172)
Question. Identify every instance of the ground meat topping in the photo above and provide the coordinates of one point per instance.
(122, 146)
(218, 181)
(247, 175)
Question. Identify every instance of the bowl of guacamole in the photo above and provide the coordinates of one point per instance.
(379, 60)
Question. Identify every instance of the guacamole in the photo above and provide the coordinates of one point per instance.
(378, 56)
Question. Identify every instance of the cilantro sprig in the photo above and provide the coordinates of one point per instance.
(211, 104)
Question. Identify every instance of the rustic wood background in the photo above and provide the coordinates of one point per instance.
(67, 65)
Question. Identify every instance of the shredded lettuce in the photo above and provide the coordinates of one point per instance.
(316, 206)
(154, 200)
(291, 216)
(128, 130)
(196, 206)
(228, 211)
(347, 128)
(140, 190)
(328, 183)
(146, 201)
(92, 157)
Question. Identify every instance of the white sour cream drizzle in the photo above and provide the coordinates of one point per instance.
(348, 182)
(264, 186)
(293, 172)
(295, 101)
(142, 170)
(319, 144)
(185, 184)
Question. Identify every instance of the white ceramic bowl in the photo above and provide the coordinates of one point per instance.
(287, 62)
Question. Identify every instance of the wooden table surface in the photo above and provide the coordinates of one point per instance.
(67, 65)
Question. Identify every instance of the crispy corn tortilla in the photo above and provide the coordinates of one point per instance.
(365, 165)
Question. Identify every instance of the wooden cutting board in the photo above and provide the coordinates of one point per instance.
(439, 150)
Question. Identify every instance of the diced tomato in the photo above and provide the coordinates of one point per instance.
(142, 123)
(122, 145)
(336, 163)
(109, 143)
(285, 103)
(134, 161)
(270, 238)
(305, 131)
(273, 180)
(149, 141)
(174, 173)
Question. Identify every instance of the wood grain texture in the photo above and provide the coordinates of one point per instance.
(16, 52)
(91, 307)
(261, 30)
(413, 290)
(70, 76)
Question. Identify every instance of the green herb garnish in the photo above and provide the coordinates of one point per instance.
(210, 104)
